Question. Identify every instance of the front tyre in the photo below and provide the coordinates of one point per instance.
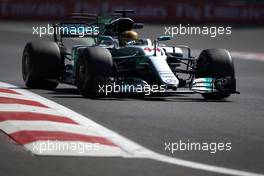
(94, 68)
(41, 65)
(215, 63)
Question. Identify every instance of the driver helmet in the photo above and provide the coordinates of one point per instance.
(127, 37)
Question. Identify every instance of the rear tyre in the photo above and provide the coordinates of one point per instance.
(41, 65)
(215, 63)
(94, 67)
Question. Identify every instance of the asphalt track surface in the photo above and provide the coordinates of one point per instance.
(154, 120)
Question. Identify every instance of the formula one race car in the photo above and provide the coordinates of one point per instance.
(115, 60)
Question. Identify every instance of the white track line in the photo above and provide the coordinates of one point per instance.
(12, 126)
(135, 150)
(248, 55)
(28, 108)
(20, 97)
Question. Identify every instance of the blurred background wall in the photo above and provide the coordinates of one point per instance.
(151, 11)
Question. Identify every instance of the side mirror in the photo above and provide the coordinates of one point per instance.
(163, 38)
(138, 25)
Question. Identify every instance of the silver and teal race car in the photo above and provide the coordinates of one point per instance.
(118, 61)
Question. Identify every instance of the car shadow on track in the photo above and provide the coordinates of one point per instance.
(74, 93)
